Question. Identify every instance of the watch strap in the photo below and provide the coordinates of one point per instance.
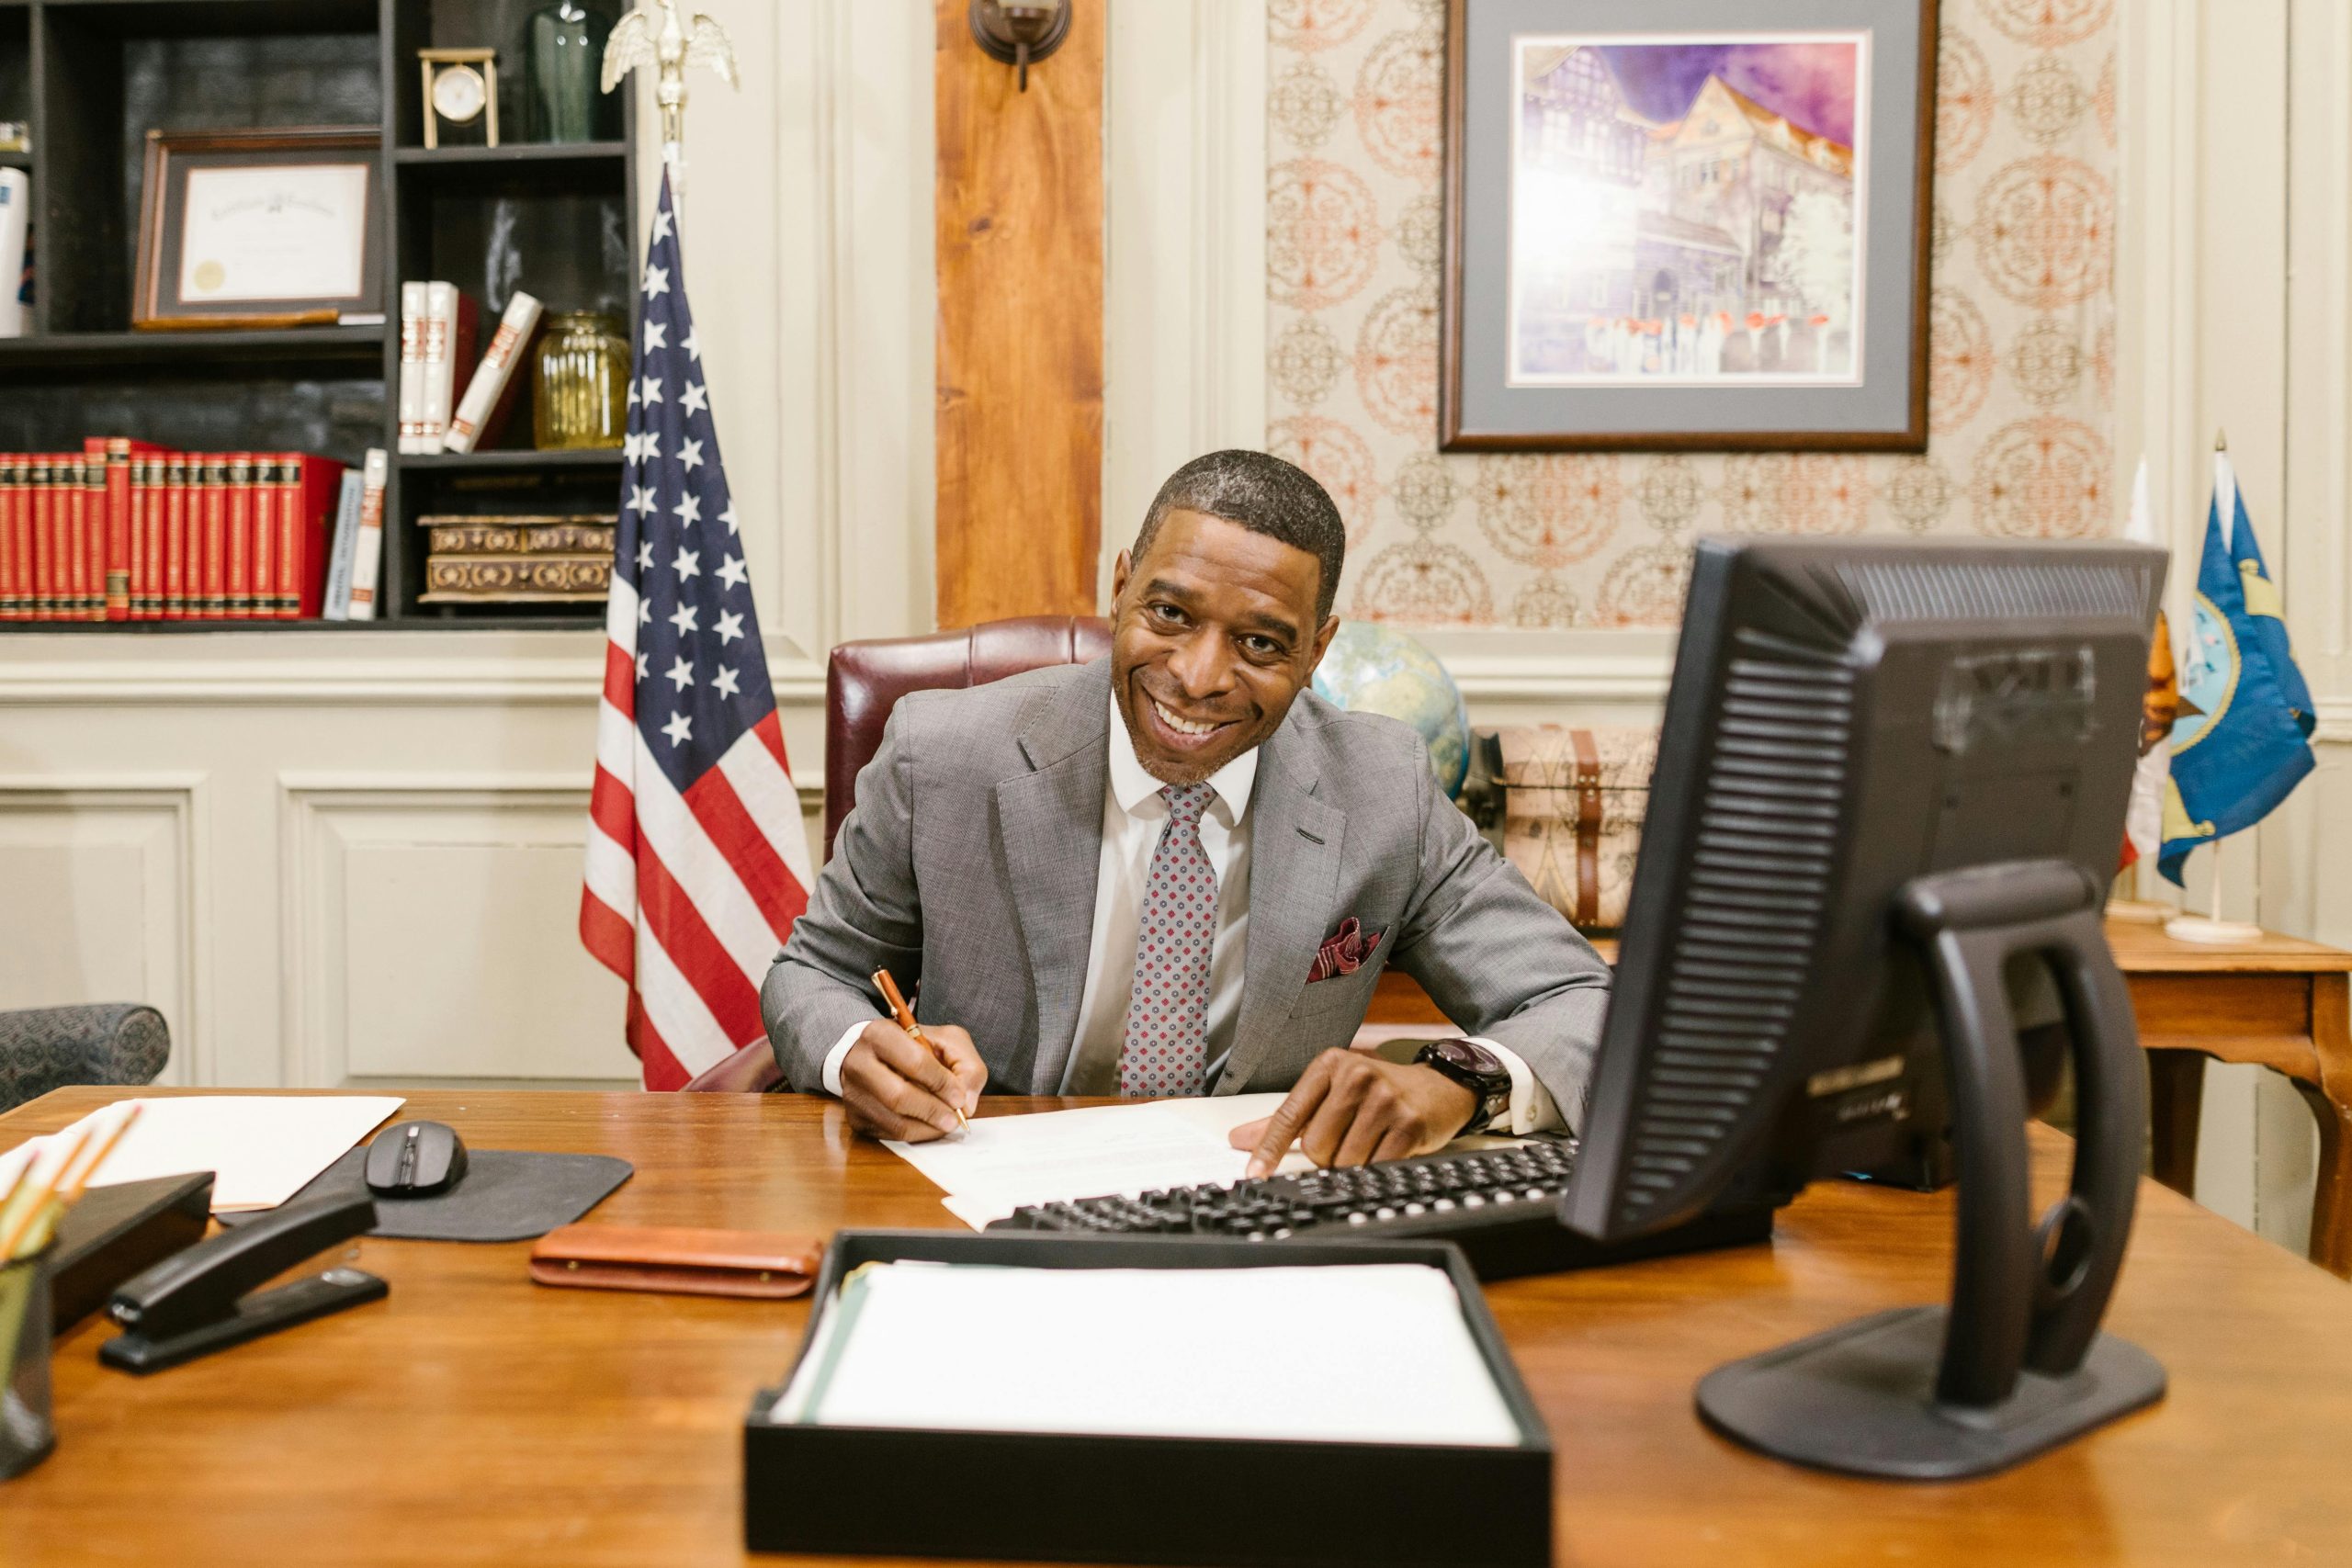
(1492, 1091)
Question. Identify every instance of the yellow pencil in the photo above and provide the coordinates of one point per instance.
(24, 1174)
(73, 1194)
(904, 1016)
(40, 1201)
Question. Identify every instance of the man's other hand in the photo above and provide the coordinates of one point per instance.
(893, 1087)
(1352, 1109)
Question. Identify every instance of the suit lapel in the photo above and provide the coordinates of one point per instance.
(1295, 842)
(1049, 825)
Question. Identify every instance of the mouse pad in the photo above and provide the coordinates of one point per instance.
(505, 1195)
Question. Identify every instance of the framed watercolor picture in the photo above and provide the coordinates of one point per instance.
(1693, 225)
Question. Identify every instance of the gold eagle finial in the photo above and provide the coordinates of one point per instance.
(657, 34)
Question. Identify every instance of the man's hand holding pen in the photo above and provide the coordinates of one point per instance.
(894, 1087)
(903, 1089)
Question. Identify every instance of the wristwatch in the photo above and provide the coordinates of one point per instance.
(1476, 1069)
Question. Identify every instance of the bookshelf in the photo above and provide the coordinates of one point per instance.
(559, 220)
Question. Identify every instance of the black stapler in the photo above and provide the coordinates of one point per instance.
(196, 1302)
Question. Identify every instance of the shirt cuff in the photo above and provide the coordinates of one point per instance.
(831, 1077)
(1531, 1109)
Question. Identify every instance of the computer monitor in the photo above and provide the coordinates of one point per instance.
(1891, 784)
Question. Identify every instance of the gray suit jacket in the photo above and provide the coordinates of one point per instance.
(969, 864)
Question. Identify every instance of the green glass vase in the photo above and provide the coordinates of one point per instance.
(563, 51)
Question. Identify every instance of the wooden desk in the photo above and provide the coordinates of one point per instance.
(2278, 1001)
(473, 1417)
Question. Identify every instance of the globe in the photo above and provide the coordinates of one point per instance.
(1371, 668)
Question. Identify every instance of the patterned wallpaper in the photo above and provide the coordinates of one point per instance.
(2021, 325)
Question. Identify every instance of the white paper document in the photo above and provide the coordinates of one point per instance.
(277, 231)
(262, 1148)
(1003, 1163)
(1365, 1353)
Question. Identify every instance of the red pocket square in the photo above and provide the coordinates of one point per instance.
(1344, 951)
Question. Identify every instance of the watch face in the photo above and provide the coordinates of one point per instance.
(458, 94)
(1474, 1058)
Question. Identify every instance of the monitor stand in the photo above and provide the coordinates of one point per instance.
(2016, 1363)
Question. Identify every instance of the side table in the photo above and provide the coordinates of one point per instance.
(2278, 1001)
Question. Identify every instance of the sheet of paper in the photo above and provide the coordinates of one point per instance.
(1002, 1163)
(1368, 1353)
(262, 1148)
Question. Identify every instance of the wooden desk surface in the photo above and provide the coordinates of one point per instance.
(473, 1417)
(2141, 947)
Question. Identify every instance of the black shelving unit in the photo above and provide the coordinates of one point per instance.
(559, 220)
(529, 152)
(508, 461)
(166, 351)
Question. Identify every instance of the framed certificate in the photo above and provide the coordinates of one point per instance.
(259, 228)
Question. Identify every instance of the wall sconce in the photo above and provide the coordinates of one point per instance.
(1018, 31)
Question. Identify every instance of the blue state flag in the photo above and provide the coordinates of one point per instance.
(2242, 741)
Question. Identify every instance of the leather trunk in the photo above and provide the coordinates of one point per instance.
(1573, 805)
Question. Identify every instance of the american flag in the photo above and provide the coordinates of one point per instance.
(696, 865)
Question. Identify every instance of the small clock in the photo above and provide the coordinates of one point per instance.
(460, 87)
(458, 94)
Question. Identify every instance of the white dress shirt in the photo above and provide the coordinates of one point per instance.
(1133, 812)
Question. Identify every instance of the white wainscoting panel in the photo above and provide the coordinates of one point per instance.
(99, 882)
(431, 933)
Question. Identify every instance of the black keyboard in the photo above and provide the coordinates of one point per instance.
(1500, 1206)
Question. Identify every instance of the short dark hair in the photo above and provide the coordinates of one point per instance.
(1262, 494)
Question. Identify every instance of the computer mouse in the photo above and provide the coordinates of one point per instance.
(415, 1159)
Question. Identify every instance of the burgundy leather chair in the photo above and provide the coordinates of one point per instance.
(864, 681)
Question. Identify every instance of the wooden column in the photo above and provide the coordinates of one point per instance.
(1019, 191)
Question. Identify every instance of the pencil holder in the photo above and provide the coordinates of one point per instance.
(25, 1433)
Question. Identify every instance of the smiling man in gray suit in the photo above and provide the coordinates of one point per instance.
(1178, 871)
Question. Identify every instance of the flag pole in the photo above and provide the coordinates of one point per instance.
(2213, 929)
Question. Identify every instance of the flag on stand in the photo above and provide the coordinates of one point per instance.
(2143, 818)
(696, 862)
(2242, 741)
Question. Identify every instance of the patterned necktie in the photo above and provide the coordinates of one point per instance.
(1166, 1050)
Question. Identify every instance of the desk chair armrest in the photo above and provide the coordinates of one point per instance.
(751, 1070)
(103, 1042)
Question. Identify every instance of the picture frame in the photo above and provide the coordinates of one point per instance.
(1687, 225)
(263, 228)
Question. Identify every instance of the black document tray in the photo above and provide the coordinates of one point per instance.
(1086, 1497)
(117, 1232)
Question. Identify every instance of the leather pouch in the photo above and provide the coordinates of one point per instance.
(764, 1265)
